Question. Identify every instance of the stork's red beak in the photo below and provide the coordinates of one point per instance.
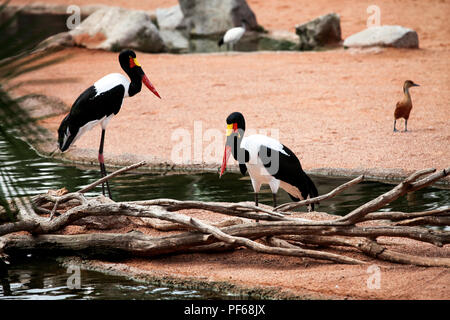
(149, 85)
(226, 155)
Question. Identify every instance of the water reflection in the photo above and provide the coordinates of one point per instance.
(39, 278)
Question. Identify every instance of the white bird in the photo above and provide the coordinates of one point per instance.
(267, 161)
(233, 35)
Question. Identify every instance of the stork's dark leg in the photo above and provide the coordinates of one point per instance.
(102, 164)
(274, 195)
(256, 202)
(406, 125)
(395, 121)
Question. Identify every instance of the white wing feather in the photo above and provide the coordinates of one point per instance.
(110, 81)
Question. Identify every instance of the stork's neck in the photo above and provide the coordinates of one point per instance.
(239, 154)
(135, 85)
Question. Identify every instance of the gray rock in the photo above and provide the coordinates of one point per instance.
(213, 17)
(115, 28)
(322, 31)
(174, 41)
(169, 18)
(384, 36)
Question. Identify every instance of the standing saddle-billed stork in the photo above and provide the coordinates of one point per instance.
(233, 35)
(100, 102)
(267, 162)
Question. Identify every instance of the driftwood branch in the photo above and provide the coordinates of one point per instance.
(371, 248)
(408, 185)
(278, 232)
(331, 194)
(111, 175)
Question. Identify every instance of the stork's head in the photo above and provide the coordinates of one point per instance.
(235, 132)
(131, 66)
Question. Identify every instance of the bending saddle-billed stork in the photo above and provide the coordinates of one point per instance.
(267, 162)
(403, 107)
(100, 102)
(233, 35)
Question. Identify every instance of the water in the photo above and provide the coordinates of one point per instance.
(23, 172)
(43, 278)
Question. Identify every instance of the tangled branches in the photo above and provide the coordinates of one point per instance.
(278, 232)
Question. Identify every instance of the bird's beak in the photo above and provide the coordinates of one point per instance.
(227, 152)
(226, 155)
(149, 85)
(416, 85)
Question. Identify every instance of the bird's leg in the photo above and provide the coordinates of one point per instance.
(406, 125)
(102, 164)
(274, 195)
(395, 121)
(256, 202)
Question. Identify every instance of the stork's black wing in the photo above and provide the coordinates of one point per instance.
(89, 107)
(287, 168)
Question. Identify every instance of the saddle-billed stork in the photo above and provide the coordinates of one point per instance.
(404, 106)
(233, 35)
(267, 162)
(100, 102)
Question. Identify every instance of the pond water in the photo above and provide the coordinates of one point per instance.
(24, 173)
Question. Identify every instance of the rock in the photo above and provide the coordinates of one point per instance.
(169, 18)
(213, 17)
(174, 41)
(384, 36)
(115, 29)
(322, 31)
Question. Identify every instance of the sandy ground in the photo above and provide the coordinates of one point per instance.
(334, 109)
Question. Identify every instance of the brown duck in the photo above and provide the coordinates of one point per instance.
(404, 106)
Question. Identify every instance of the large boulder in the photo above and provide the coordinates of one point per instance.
(37, 21)
(384, 36)
(115, 28)
(168, 19)
(213, 17)
(320, 32)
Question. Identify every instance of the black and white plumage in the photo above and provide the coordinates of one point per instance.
(267, 162)
(102, 101)
(233, 35)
